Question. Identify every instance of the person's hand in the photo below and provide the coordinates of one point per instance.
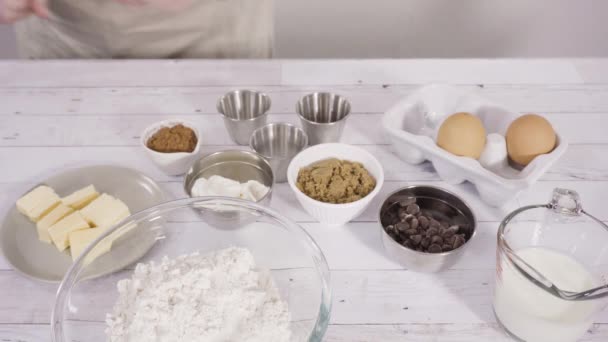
(14, 10)
(166, 4)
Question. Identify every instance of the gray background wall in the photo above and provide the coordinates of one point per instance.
(7, 42)
(431, 28)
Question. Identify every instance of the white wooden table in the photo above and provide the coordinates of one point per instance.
(61, 114)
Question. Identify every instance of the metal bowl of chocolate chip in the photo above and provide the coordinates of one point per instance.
(425, 228)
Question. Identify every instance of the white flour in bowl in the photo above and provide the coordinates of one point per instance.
(210, 298)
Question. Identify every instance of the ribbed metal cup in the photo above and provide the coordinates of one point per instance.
(279, 143)
(244, 111)
(323, 116)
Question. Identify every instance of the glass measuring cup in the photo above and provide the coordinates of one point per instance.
(551, 271)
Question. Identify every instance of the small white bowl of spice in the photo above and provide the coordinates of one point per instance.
(172, 145)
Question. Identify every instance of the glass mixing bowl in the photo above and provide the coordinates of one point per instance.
(299, 269)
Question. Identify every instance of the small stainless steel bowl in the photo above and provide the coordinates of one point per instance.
(278, 143)
(244, 111)
(323, 116)
(238, 165)
(436, 202)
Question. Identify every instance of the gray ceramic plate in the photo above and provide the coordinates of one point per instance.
(19, 238)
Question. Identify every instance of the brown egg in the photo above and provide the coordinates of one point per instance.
(529, 136)
(462, 134)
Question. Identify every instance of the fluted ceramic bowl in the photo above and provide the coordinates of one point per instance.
(332, 214)
(279, 245)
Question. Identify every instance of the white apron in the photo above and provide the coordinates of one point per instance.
(109, 29)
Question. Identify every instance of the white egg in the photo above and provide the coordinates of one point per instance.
(494, 154)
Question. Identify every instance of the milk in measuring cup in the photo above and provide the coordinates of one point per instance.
(534, 315)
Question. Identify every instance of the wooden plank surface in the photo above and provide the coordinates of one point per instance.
(362, 129)
(60, 114)
(458, 296)
(197, 100)
(354, 332)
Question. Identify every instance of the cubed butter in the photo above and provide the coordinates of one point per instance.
(105, 211)
(50, 219)
(81, 198)
(81, 239)
(38, 202)
(29, 201)
(60, 231)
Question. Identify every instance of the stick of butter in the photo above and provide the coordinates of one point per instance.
(50, 219)
(60, 231)
(81, 198)
(38, 202)
(80, 240)
(105, 211)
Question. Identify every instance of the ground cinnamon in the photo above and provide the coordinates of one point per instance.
(174, 139)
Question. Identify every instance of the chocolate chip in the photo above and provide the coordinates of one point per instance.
(425, 242)
(413, 209)
(437, 240)
(411, 232)
(450, 240)
(446, 247)
(402, 214)
(402, 226)
(459, 241)
(409, 218)
(432, 232)
(434, 248)
(451, 231)
(390, 228)
(424, 222)
(434, 223)
(416, 239)
(414, 223)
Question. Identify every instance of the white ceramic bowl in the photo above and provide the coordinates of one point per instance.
(329, 213)
(172, 164)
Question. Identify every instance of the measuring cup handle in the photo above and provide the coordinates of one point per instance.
(566, 202)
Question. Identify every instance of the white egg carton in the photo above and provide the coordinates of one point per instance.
(412, 125)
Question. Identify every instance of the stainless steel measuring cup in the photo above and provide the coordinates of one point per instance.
(244, 111)
(278, 143)
(323, 116)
